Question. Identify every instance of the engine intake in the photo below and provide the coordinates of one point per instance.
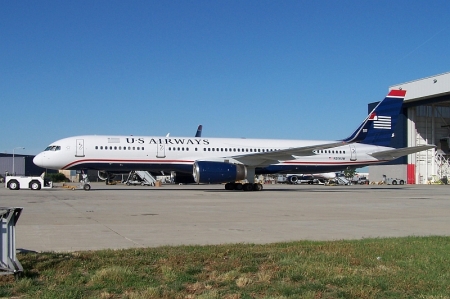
(293, 179)
(210, 172)
(104, 175)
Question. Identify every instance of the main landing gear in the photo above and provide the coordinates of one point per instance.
(245, 187)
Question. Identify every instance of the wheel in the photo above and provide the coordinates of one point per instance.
(402, 182)
(35, 185)
(128, 183)
(13, 185)
(87, 187)
(394, 182)
(229, 186)
(247, 187)
(238, 186)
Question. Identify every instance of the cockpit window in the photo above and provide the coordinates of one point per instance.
(53, 148)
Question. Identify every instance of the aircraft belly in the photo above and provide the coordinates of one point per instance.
(117, 166)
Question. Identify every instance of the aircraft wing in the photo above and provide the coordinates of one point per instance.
(264, 158)
(400, 152)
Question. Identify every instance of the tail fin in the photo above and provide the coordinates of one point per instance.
(199, 131)
(379, 125)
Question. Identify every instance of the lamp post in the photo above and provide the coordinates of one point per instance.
(19, 147)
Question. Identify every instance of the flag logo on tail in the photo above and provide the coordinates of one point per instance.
(382, 122)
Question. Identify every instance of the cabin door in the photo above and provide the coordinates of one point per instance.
(80, 148)
(160, 151)
(352, 153)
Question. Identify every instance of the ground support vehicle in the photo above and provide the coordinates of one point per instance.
(393, 181)
(27, 182)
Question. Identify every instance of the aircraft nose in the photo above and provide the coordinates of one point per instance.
(39, 160)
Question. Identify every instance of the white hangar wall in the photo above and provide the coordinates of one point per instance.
(427, 121)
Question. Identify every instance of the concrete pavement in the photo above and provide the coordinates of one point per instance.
(135, 216)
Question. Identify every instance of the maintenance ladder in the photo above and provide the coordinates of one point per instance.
(8, 260)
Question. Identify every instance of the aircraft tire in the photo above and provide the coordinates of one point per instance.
(229, 186)
(248, 187)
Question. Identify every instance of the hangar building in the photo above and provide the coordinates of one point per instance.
(425, 119)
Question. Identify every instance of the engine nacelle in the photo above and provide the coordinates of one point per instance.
(293, 179)
(211, 172)
(104, 175)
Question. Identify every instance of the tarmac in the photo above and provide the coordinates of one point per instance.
(121, 216)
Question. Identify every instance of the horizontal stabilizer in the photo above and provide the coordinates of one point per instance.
(400, 152)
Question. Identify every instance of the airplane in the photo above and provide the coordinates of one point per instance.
(232, 160)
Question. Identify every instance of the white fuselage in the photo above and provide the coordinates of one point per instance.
(125, 153)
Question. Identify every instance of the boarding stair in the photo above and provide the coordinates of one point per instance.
(342, 181)
(139, 177)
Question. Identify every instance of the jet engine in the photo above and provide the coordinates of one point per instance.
(293, 179)
(104, 175)
(211, 172)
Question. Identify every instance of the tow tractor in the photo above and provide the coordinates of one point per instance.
(393, 181)
(27, 182)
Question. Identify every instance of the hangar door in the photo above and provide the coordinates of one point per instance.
(429, 124)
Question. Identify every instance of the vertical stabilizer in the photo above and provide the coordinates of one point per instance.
(379, 125)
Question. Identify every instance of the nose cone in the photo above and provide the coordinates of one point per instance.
(39, 160)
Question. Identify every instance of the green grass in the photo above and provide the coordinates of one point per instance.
(412, 267)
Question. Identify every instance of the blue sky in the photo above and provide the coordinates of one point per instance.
(255, 69)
